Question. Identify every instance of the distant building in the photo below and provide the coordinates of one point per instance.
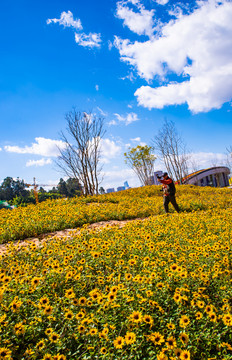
(120, 188)
(217, 176)
(110, 190)
(126, 185)
(159, 173)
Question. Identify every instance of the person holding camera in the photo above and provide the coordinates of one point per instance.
(169, 191)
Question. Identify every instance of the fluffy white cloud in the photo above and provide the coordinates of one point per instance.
(67, 20)
(109, 150)
(42, 146)
(97, 87)
(138, 140)
(91, 40)
(127, 119)
(140, 22)
(40, 162)
(112, 122)
(162, 2)
(0, 149)
(203, 160)
(197, 47)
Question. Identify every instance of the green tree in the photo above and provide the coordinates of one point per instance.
(11, 188)
(62, 188)
(73, 187)
(141, 160)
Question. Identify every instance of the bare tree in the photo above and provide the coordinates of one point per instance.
(80, 157)
(172, 151)
(141, 160)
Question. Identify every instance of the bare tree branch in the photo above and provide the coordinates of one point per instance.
(81, 155)
(172, 151)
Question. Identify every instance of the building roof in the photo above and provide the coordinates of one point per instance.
(200, 172)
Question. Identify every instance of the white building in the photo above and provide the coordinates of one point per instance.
(216, 176)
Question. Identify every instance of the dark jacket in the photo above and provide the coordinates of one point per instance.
(169, 185)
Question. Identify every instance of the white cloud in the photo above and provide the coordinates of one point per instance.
(128, 118)
(67, 20)
(91, 40)
(162, 2)
(103, 113)
(112, 122)
(0, 149)
(130, 77)
(116, 178)
(197, 48)
(40, 162)
(203, 160)
(109, 150)
(42, 146)
(97, 87)
(138, 140)
(140, 22)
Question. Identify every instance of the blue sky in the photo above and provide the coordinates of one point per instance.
(133, 62)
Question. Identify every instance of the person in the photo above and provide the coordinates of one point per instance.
(169, 191)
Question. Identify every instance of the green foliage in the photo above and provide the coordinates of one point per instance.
(141, 160)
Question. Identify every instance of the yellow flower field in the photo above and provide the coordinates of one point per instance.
(157, 289)
(52, 215)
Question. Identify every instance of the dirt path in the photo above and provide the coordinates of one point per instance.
(68, 233)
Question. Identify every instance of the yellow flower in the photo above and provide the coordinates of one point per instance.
(103, 350)
(82, 301)
(184, 321)
(119, 342)
(136, 317)
(212, 316)
(47, 357)
(69, 315)
(48, 310)
(54, 337)
(44, 301)
(148, 320)
(184, 338)
(198, 315)
(171, 342)
(81, 329)
(177, 352)
(111, 296)
(35, 281)
(171, 326)
(93, 331)
(19, 329)
(130, 338)
(156, 338)
(5, 353)
(40, 345)
(185, 355)
(69, 293)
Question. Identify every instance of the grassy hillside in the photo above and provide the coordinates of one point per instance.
(60, 214)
